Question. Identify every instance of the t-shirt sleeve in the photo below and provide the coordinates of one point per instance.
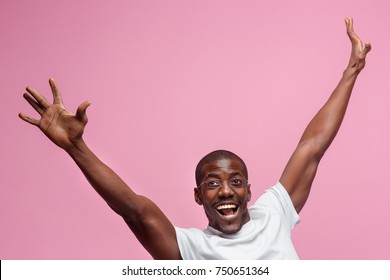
(277, 199)
(186, 239)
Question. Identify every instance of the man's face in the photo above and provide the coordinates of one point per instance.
(225, 206)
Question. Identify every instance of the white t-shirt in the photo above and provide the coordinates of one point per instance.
(267, 235)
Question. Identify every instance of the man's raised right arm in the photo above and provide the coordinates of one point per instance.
(149, 224)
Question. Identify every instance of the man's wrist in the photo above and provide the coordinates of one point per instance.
(76, 148)
(351, 73)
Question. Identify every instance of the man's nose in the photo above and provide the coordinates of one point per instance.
(225, 190)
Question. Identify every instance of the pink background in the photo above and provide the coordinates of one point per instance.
(173, 80)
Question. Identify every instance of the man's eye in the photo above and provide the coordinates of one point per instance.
(213, 184)
(236, 182)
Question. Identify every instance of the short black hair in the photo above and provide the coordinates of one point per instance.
(217, 155)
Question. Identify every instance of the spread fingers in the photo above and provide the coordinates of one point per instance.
(40, 109)
(41, 101)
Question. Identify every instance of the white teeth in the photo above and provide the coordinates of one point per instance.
(226, 206)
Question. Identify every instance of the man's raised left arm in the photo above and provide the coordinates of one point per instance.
(300, 170)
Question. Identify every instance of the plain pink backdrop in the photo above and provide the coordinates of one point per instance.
(171, 81)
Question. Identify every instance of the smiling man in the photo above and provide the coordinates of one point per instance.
(234, 231)
(224, 191)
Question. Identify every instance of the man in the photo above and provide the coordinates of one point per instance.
(222, 186)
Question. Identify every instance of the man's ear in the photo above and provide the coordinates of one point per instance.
(198, 196)
(249, 192)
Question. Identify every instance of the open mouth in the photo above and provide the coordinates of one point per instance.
(227, 210)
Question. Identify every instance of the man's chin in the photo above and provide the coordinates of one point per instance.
(230, 224)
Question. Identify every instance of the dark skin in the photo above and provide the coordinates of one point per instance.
(143, 216)
(301, 169)
(224, 169)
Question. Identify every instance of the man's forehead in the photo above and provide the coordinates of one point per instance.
(222, 166)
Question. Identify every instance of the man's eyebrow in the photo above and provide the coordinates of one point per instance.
(218, 176)
(213, 175)
(235, 174)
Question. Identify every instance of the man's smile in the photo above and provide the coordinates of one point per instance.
(227, 210)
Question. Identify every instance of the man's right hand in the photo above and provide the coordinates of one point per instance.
(58, 124)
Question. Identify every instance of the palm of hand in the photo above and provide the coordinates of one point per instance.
(60, 126)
